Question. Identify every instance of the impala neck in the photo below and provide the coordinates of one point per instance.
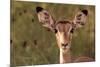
(65, 56)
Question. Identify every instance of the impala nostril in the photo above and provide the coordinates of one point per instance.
(65, 44)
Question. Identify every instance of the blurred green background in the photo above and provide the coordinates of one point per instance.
(31, 44)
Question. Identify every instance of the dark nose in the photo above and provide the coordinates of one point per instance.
(39, 9)
(65, 44)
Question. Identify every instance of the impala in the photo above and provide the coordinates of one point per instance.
(63, 30)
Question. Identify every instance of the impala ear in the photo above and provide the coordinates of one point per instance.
(45, 18)
(80, 18)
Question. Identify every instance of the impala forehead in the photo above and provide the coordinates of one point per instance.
(63, 27)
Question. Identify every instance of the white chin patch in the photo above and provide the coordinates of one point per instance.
(65, 49)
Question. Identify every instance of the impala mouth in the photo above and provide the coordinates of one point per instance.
(65, 49)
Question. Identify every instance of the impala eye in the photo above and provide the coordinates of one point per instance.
(72, 30)
(55, 30)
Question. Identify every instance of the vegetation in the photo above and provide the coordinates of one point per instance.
(31, 44)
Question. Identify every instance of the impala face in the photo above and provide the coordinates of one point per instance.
(62, 29)
(64, 34)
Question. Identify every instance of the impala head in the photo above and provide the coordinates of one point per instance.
(62, 29)
(63, 32)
